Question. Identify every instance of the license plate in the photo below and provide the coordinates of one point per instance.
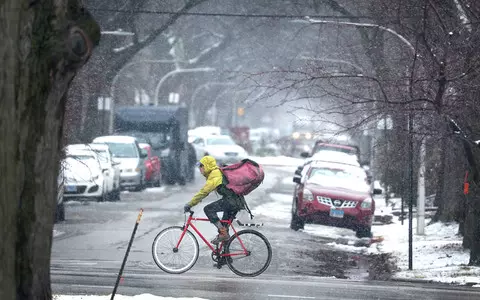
(336, 213)
(70, 188)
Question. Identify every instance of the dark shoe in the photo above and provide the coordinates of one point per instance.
(221, 237)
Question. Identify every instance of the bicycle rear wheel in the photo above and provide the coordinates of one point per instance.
(258, 256)
(168, 257)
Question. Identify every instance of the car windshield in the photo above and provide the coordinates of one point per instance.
(155, 139)
(224, 140)
(102, 156)
(123, 150)
(352, 179)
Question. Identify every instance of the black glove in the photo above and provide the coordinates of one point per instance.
(186, 208)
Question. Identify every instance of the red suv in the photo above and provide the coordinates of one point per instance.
(333, 194)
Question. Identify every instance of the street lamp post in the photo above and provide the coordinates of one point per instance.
(177, 71)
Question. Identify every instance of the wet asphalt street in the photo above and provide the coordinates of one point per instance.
(90, 245)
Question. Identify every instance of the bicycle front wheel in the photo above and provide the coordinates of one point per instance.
(171, 259)
(248, 253)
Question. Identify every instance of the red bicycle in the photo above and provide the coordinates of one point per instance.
(247, 253)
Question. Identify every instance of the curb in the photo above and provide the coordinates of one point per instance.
(416, 280)
(423, 281)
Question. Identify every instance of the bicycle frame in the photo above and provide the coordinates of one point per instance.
(217, 250)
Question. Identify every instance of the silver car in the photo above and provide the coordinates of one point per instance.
(126, 151)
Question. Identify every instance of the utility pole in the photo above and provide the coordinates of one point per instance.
(421, 190)
(410, 204)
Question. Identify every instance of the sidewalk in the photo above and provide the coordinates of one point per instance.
(438, 255)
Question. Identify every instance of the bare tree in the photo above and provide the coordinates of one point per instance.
(44, 44)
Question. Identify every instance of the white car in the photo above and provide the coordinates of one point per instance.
(83, 176)
(126, 150)
(334, 156)
(221, 147)
(110, 167)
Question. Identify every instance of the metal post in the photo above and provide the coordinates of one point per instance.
(177, 71)
(410, 204)
(126, 254)
(402, 210)
(421, 190)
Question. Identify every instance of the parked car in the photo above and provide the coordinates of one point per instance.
(322, 146)
(83, 176)
(126, 150)
(333, 194)
(344, 153)
(110, 167)
(153, 173)
(221, 147)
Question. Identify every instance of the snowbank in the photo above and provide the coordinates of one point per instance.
(57, 233)
(119, 297)
(280, 208)
(437, 256)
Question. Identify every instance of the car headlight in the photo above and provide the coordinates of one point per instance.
(366, 204)
(307, 195)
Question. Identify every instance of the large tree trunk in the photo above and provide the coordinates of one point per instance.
(42, 46)
(449, 182)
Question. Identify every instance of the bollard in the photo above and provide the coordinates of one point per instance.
(126, 254)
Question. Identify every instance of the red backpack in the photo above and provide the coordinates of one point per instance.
(243, 177)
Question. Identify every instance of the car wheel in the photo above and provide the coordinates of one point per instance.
(60, 213)
(364, 232)
(297, 222)
(141, 186)
(116, 195)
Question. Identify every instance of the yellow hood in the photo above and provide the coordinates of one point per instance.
(209, 164)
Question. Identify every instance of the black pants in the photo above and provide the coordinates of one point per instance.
(211, 210)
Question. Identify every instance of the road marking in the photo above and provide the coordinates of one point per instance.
(291, 296)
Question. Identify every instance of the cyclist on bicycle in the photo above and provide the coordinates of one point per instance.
(230, 204)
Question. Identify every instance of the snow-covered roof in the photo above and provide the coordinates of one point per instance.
(114, 139)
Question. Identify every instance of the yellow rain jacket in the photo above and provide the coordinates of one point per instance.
(215, 183)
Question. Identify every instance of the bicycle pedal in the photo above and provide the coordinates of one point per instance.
(218, 266)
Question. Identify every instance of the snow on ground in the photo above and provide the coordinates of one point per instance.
(57, 233)
(155, 189)
(288, 181)
(280, 208)
(437, 256)
(119, 297)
